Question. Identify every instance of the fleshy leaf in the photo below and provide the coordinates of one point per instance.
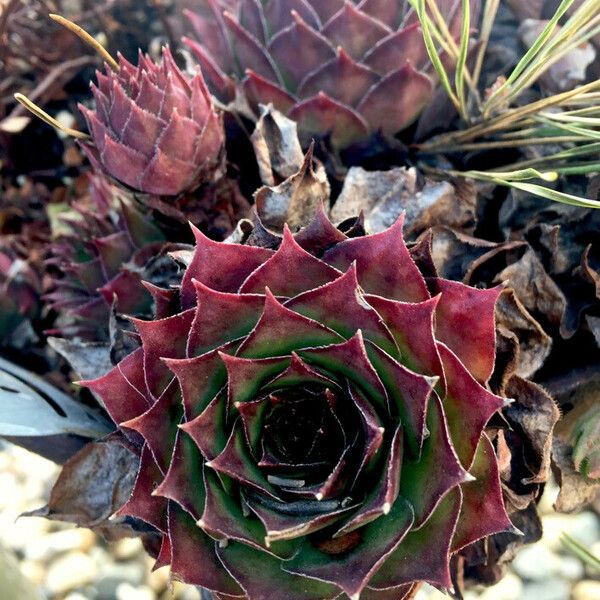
(208, 428)
(193, 555)
(341, 78)
(141, 504)
(222, 267)
(483, 512)
(425, 482)
(221, 317)
(322, 304)
(183, 481)
(321, 115)
(244, 564)
(384, 494)
(236, 462)
(247, 375)
(473, 340)
(223, 518)
(354, 30)
(291, 520)
(412, 328)
(122, 399)
(352, 570)
(409, 395)
(290, 271)
(281, 330)
(468, 406)
(397, 278)
(349, 359)
(165, 338)
(424, 554)
(158, 425)
(312, 50)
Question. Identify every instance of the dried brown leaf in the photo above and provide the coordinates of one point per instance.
(276, 146)
(93, 485)
(294, 201)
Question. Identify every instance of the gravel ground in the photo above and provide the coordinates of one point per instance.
(66, 563)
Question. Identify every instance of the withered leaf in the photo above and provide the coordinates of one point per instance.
(534, 287)
(295, 201)
(276, 146)
(535, 414)
(93, 485)
(575, 491)
(88, 359)
(532, 342)
(384, 195)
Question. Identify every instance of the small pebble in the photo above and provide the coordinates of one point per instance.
(114, 574)
(159, 580)
(127, 548)
(70, 571)
(536, 562)
(58, 543)
(76, 596)
(126, 591)
(586, 590)
(583, 527)
(549, 589)
(34, 571)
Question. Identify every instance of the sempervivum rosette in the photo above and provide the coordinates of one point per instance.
(339, 67)
(312, 423)
(153, 128)
(98, 259)
(20, 289)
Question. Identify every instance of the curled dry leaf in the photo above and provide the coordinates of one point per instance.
(383, 195)
(535, 414)
(575, 455)
(276, 146)
(93, 485)
(294, 201)
(531, 343)
(575, 491)
(87, 359)
(535, 288)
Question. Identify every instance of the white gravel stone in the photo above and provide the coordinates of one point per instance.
(17, 532)
(508, 588)
(428, 592)
(549, 589)
(586, 590)
(127, 548)
(34, 571)
(69, 572)
(76, 596)
(583, 527)
(59, 542)
(536, 562)
(158, 580)
(112, 575)
(570, 568)
(126, 591)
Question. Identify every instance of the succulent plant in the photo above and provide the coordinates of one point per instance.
(312, 423)
(586, 444)
(153, 128)
(336, 67)
(20, 288)
(102, 244)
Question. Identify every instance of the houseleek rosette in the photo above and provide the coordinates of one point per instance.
(311, 425)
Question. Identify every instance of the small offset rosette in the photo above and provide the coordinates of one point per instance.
(153, 128)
